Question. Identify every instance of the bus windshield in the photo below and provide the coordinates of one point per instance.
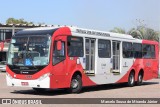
(29, 51)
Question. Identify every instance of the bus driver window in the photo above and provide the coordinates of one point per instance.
(58, 55)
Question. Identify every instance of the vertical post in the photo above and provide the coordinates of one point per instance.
(90, 56)
(13, 30)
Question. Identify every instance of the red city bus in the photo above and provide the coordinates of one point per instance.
(71, 57)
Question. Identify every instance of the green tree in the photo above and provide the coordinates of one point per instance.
(118, 30)
(17, 21)
(144, 33)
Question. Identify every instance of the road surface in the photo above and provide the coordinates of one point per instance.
(149, 89)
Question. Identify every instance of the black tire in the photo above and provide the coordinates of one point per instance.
(76, 84)
(131, 79)
(39, 90)
(140, 79)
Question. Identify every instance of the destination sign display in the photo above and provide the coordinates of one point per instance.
(89, 32)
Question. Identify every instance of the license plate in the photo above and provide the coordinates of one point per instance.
(24, 83)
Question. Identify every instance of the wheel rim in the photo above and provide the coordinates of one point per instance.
(140, 78)
(132, 79)
(74, 83)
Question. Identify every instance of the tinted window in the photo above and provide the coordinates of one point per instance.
(148, 51)
(104, 48)
(127, 50)
(75, 46)
(58, 55)
(137, 50)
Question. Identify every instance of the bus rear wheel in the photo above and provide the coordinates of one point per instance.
(140, 79)
(131, 79)
(76, 84)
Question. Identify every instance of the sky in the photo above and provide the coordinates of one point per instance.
(90, 14)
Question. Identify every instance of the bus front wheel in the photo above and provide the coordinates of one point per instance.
(76, 84)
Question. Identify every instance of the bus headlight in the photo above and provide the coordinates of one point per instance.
(44, 76)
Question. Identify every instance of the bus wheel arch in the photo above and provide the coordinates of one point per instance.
(131, 78)
(140, 77)
(76, 82)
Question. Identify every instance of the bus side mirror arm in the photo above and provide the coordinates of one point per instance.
(59, 45)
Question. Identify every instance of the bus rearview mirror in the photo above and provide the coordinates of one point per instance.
(59, 45)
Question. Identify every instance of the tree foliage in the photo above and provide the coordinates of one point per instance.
(144, 33)
(17, 21)
(118, 30)
(140, 32)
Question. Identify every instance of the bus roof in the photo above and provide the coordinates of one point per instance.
(77, 30)
(50, 30)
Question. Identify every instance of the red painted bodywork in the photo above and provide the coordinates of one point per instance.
(150, 71)
(63, 71)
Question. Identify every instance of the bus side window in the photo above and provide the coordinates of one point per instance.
(104, 48)
(137, 50)
(127, 50)
(75, 46)
(148, 51)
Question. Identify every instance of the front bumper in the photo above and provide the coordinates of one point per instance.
(36, 83)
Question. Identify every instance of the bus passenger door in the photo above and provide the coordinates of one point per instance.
(90, 56)
(115, 56)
